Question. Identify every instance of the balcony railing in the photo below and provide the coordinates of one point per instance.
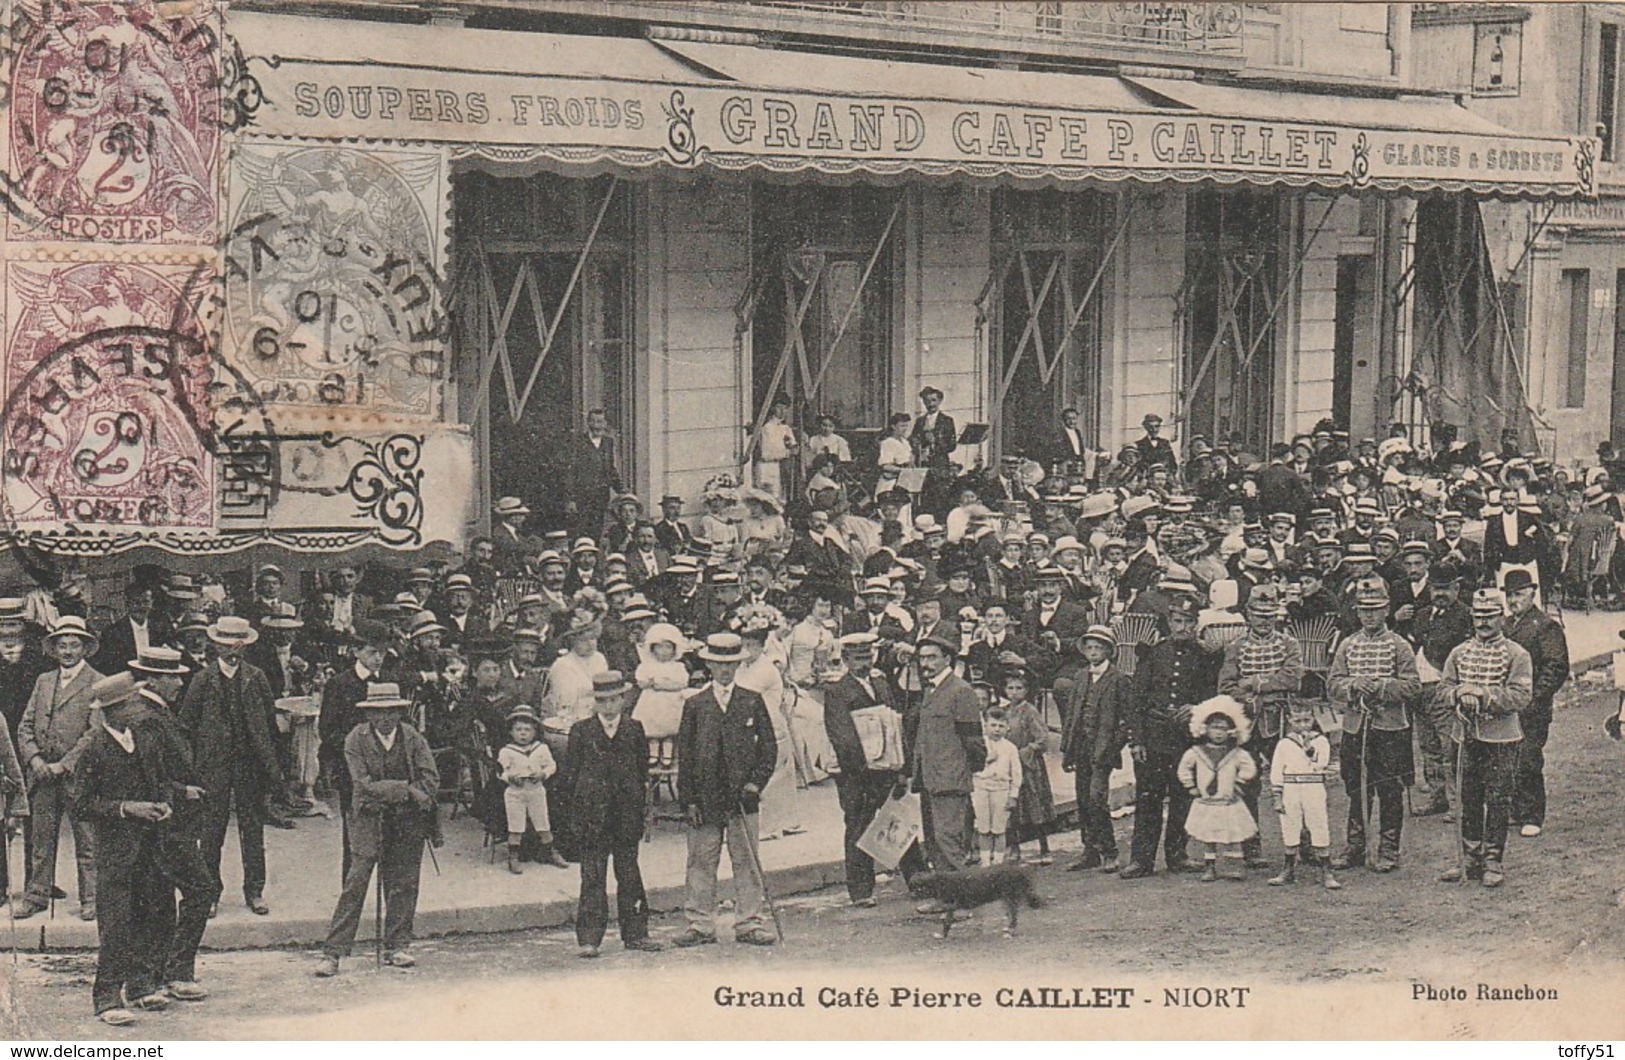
(1055, 27)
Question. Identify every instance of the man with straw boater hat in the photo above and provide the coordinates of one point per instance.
(180, 856)
(56, 728)
(725, 756)
(122, 786)
(606, 773)
(228, 709)
(394, 781)
(1373, 681)
(1489, 680)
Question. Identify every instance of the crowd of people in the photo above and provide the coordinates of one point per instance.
(1246, 627)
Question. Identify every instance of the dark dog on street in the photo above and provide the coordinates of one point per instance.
(976, 887)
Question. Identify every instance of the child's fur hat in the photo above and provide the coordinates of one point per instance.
(1221, 705)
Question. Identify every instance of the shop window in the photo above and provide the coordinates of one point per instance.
(1047, 288)
(822, 306)
(1228, 311)
(1577, 292)
(547, 317)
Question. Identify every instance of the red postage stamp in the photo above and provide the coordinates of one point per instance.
(115, 124)
(111, 409)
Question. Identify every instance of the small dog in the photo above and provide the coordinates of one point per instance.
(976, 887)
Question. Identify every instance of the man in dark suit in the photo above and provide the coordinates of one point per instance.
(999, 652)
(934, 437)
(1070, 446)
(228, 709)
(1153, 448)
(1280, 487)
(671, 533)
(1052, 626)
(862, 787)
(645, 558)
(511, 547)
(594, 477)
(605, 776)
(725, 756)
(462, 624)
(122, 787)
(1541, 636)
(1172, 676)
(1513, 537)
(139, 628)
(943, 738)
(1093, 745)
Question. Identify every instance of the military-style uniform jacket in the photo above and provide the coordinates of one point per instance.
(1169, 678)
(1389, 658)
(1503, 669)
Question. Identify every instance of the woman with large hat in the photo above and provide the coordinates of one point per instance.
(569, 690)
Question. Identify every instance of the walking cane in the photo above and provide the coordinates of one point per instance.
(1461, 811)
(378, 902)
(756, 863)
(1365, 778)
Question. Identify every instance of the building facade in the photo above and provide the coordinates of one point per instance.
(1551, 67)
(465, 225)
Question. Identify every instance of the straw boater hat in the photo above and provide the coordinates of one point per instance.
(1226, 706)
(510, 506)
(181, 587)
(1097, 506)
(156, 660)
(423, 623)
(583, 544)
(232, 631)
(876, 587)
(111, 691)
(638, 612)
(459, 581)
(385, 696)
(607, 684)
(858, 643)
(419, 575)
(724, 648)
(12, 614)
(523, 712)
(284, 617)
(74, 626)
(1488, 602)
(549, 557)
(1102, 634)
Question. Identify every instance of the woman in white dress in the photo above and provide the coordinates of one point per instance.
(762, 673)
(569, 689)
(810, 648)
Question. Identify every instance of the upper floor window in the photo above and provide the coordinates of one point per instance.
(1608, 90)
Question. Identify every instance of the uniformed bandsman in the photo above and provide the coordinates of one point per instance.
(1489, 679)
(1172, 676)
(1263, 669)
(1374, 679)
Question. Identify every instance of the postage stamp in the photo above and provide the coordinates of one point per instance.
(333, 291)
(115, 123)
(119, 413)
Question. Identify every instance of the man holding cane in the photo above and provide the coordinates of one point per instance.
(725, 756)
(394, 781)
(1489, 679)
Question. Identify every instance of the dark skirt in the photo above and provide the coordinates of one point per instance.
(1035, 805)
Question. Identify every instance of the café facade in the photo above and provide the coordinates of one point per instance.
(467, 238)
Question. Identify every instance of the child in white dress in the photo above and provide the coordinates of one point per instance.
(995, 788)
(1299, 772)
(662, 680)
(526, 765)
(1213, 772)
